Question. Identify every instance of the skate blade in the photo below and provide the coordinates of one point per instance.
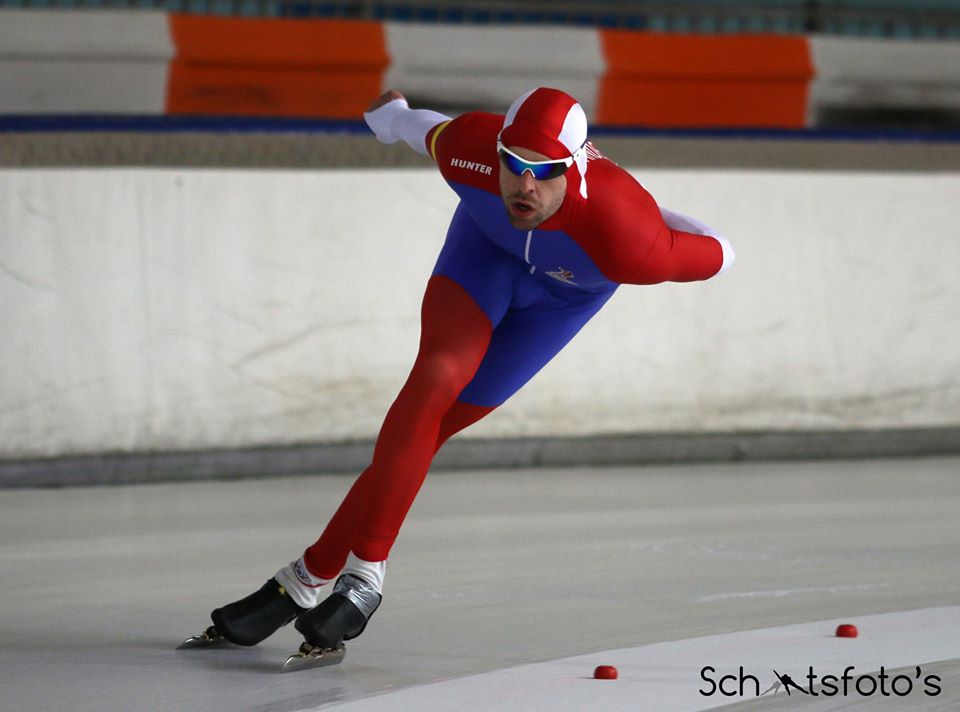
(311, 656)
(207, 639)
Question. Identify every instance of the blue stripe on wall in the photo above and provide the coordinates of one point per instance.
(234, 124)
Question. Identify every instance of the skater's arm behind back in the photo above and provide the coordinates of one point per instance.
(637, 242)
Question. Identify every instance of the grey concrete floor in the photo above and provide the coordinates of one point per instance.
(493, 569)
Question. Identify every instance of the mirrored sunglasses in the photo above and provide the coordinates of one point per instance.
(541, 170)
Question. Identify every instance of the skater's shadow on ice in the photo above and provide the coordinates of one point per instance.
(85, 644)
(119, 651)
(234, 658)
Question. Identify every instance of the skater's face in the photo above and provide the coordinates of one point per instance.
(530, 201)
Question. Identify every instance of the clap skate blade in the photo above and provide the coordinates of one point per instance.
(207, 639)
(313, 656)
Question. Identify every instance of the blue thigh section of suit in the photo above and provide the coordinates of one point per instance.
(533, 319)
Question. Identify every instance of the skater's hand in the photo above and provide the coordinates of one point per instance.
(385, 98)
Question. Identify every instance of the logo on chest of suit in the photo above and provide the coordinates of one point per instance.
(471, 166)
(562, 275)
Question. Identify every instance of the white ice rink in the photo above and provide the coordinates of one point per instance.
(505, 589)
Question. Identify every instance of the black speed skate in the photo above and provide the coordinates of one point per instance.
(249, 620)
(342, 616)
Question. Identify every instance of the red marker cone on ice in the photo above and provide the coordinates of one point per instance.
(846, 630)
(605, 672)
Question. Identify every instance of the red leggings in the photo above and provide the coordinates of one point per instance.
(454, 336)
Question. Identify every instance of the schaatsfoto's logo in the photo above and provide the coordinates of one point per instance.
(814, 684)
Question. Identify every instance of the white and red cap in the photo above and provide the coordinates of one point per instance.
(551, 122)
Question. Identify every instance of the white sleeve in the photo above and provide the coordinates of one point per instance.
(396, 121)
(679, 221)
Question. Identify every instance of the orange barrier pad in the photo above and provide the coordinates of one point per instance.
(274, 67)
(667, 80)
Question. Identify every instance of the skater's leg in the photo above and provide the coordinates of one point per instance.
(295, 589)
(454, 337)
(522, 343)
(468, 295)
(341, 526)
(472, 279)
(325, 558)
(356, 595)
(299, 577)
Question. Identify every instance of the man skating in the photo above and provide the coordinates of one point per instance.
(546, 230)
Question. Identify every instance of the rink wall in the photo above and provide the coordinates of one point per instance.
(151, 62)
(155, 310)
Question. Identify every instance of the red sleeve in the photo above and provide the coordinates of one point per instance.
(635, 245)
(465, 149)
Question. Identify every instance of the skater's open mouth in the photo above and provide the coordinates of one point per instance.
(521, 208)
